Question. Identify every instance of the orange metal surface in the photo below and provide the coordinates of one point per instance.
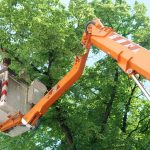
(131, 57)
(11, 122)
(42, 106)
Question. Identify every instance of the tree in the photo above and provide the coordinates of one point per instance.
(104, 109)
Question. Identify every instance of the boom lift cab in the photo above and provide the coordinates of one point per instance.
(18, 98)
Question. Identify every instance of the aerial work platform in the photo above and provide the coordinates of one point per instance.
(21, 105)
(18, 98)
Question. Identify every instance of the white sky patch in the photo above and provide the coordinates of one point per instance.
(130, 2)
(18, 6)
(93, 58)
(65, 2)
(146, 2)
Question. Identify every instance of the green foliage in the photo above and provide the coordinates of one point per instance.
(104, 109)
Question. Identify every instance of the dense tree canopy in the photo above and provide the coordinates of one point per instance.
(104, 109)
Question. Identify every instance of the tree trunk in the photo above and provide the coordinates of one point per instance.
(110, 103)
(127, 108)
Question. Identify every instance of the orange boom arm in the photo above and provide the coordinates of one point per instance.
(131, 57)
(43, 105)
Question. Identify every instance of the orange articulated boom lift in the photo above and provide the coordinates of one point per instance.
(132, 58)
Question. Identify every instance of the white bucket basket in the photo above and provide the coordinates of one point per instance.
(36, 91)
(18, 96)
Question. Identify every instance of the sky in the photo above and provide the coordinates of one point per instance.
(131, 2)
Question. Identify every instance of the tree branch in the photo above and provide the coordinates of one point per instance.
(21, 62)
(110, 103)
(137, 126)
(61, 119)
(127, 107)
